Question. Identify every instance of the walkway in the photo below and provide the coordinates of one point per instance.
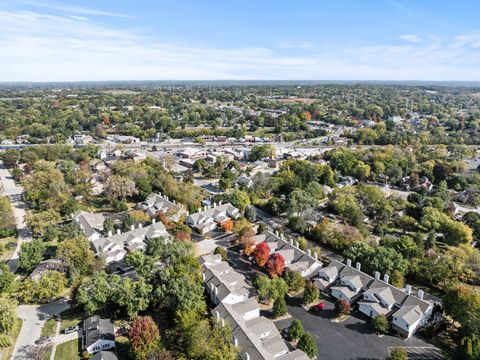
(14, 192)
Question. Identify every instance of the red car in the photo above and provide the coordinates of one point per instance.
(319, 307)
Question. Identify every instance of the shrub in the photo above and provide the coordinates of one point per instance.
(295, 331)
(302, 243)
(222, 251)
(342, 307)
(311, 293)
(380, 324)
(279, 307)
(308, 345)
(398, 354)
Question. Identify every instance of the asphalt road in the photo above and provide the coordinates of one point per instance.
(14, 192)
(34, 318)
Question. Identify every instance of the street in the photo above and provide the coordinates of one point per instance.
(34, 318)
(14, 192)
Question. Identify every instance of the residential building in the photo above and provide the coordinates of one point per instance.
(104, 355)
(211, 218)
(98, 335)
(90, 223)
(156, 204)
(47, 265)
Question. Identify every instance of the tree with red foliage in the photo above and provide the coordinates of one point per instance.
(261, 253)
(275, 265)
(144, 337)
(342, 307)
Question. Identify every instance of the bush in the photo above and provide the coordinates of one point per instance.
(308, 345)
(279, 307)
(119, 205)
(251, 213)
(222, 251)
(311, 293)
(295, 331)
(398, 354)
(342, 307)
(5, 341)
(294, 281)
(380, 324)
(302, 243)
(261, 228)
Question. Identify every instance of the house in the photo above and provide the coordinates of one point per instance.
(104, 355)
(156, 204)
(98, 335)
(257, 336)
(90, 223)
(350, 284)
(114, 247)
(209, 219)
(47, 265)
(81, 139)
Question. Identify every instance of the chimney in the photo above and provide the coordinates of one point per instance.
(358, 266)
(119, 231)
(154, 221)
(386, 278)
(132, 227)
(109, 233)
(408, 289)
(420, 294)
(315, 255)
(377, 275)
(296, 244)
(281, 236)
(309, 252)
(349, 262)
(291, 241)
(140, 226)
(174, 202)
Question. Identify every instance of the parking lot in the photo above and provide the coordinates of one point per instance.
(352, 339)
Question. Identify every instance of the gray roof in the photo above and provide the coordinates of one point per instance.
(104, 355)
(96, 328)
(90, 223)
(214, 212)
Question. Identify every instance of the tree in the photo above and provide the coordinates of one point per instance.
(119, 187)
(132, 296)
(6, 278)
(144, 337)
(160, 355)
(222, 251)
(39, 222)
(380, 324)
(227, 225)
(299, 201)
(342, 307)
(311, 293)
(8, 315)
(269, 289)
(108, 225)
(31, 254)
(251, 213)
(240, 199)
(261, 253)
(397, 279)
(10, 157)
(295, 330)
(279, 307)
(406, 223)
(294, 280)
(386, 261)
(47, 288)
(398, 354)
(7, 219)
(308, 345)
(77, 256)
(275, 265)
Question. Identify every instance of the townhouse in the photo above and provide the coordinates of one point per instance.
(257, 336)
(156, 204)
(211, 218)
(98, 335)
(407, 312)
(296, 259)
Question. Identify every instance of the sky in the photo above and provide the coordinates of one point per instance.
(98, 40)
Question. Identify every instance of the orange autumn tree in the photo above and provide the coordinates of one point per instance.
(227, 225)
(306, 116)
(275, 265)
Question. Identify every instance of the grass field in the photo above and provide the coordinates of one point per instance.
(70, 318)
(6, 353)
(69, 350)
(49, 328)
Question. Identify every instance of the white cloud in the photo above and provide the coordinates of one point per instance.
(71, 8)
(296, 45)
(68, 48)
(411, 38)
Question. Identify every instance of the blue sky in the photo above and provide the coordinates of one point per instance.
(43, 40)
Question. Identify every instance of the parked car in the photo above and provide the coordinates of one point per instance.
(71, 329)
(319, 307)
(43, 340)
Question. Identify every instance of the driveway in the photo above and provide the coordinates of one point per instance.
(208, 246)
(14, 192)
(34, 318)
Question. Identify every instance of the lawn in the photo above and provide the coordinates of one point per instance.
(68, 350)
(70, 318)
(49, 328)
(6, 353)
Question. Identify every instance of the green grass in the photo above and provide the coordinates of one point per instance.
(48, 353)
(70, 318)
(7, 247)
(7, 352)
(68, 350)
(49, 328)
